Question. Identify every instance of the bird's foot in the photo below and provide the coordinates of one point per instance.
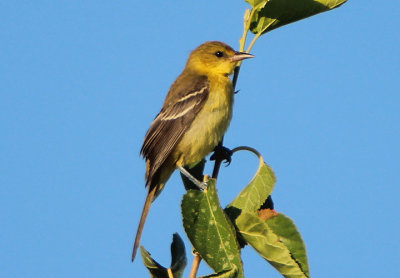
(199, 184)
(222, 153)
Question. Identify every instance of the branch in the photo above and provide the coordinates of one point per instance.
(218, 161)
(195, 265)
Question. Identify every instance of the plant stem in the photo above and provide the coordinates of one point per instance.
(170, 274)
(242, 42)
(246, 25)
(217, 164)
(253, 42)
(195, 265)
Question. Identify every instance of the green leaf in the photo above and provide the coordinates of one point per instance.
(210, 231)
(276, 239)
(178, 260)
(256, 3)
(156, 270)
(224, 274)
(269, 245)
(259, 188)
(178, 255)
(288, 234)
(271, 14)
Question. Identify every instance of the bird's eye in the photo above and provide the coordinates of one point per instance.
(219, 54)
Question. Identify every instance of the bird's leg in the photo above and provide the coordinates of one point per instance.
(222, 153)
(200, 185)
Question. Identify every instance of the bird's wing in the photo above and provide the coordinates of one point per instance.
(172, 122)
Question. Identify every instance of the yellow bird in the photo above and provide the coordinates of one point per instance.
(192, 120)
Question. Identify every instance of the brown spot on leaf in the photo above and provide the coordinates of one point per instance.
(265, 214)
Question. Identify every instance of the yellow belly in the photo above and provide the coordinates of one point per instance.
(209, 125)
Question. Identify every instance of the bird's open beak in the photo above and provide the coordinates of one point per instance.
(239, 56)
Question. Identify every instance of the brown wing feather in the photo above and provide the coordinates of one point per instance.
(174, 119)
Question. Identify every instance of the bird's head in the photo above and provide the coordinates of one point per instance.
(215, 58)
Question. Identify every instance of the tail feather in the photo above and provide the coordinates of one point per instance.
(145, 211)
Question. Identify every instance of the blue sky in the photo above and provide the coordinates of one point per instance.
(80, 82)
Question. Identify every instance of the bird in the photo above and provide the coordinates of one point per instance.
(193, 119)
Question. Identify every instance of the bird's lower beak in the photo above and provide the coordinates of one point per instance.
(239, 56)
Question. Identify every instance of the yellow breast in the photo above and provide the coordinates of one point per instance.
(209, 125)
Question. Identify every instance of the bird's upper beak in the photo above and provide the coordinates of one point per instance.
(239, 56)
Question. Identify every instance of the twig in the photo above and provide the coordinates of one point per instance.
(195, 265)
(218, 161)
(170, 274)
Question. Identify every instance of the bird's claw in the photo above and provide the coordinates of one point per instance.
(227, 162)
(223, 154)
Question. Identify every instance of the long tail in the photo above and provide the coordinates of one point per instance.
(145, 211)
